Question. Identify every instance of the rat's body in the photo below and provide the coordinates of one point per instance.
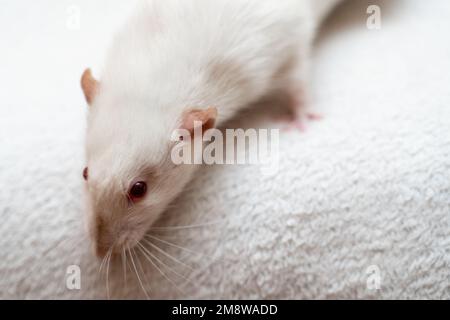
(174, 62)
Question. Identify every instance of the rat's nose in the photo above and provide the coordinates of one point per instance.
(101, 238)
(100, 251)
(112, 240)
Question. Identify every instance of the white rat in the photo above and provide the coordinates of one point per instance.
(173, 63)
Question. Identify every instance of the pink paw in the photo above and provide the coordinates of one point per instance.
(299, 122)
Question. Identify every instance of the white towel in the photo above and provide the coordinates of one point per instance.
(359, 209)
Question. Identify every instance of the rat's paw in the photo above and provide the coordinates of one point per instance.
(299, 122)
(298, 117)
(298, 101)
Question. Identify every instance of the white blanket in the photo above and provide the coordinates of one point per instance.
(359, 209)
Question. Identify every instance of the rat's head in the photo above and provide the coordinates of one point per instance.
(130, 177)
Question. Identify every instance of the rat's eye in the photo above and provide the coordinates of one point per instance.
(85, 174)
(138, 190)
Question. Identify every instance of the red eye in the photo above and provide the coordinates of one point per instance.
(85, 174)
(138, 190)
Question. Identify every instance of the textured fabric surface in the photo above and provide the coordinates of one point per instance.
(367, 188)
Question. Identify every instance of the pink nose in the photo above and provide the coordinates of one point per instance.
(100, 251)
(99, 237)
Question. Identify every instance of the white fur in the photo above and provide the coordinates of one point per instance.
(171, 56)
(368, 185)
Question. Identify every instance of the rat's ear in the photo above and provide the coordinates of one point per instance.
(205, 117)
(89, 86)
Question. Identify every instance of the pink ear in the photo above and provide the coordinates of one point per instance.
(206, 118)
(89, 86)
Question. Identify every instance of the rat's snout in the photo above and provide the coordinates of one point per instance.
(101, 239)
(100, 251)
(112, 239)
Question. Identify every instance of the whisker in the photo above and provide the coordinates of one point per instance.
(173, 245)
(164, 264)
(100, 269)
(137, 274)
(186, 250)
(169, 268)
(141, 247)
(138, 262)
(107, 272)
(124, 267)
(168, 255)
(170, 228)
